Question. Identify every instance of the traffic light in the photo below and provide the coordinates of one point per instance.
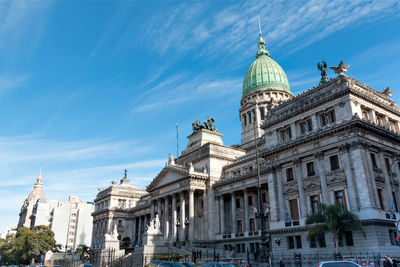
(397, 241)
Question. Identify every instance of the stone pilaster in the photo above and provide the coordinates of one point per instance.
(272, 198)
(299, 178)
(281, 200)
(347, 166)
(245, 210)
(152, 210)
(134, 236)
(140, 230)
(388, 191)
(320, 162)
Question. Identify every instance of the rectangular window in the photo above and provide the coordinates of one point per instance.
(334, 161)
(349, 238)
(327, 118)
(314, 203)
(294, 210)
(239, 226)
(387, 164)
(252, 225)
(373, 159)
(305, 126)
(380, 119)
(264, 197)
(365, 114)
(262, 113)
(395, 202)
(298, 241)
(249, 116)
(244, 119)
(285, 134)
(237, 203)
(340, 198)
(290, 241)
(381, 199)
(289, 174)
(250, 198)
(310, 169)
(322, 242)
(313, 243)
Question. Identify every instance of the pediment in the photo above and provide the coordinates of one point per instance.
(168, 175)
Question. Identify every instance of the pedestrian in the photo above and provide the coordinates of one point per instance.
(394, 262)
(387, 262)
(281, 263)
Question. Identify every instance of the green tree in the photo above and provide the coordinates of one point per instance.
(126, 242)
(28, 244)
(84, 252)
(334, 219)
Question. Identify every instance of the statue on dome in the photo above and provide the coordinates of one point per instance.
(322, 66)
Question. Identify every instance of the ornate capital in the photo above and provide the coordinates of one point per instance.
(344, 147)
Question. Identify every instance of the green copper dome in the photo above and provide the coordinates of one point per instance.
(264, 73)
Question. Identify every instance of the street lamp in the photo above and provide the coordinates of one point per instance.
(186, 228)
(178, 225)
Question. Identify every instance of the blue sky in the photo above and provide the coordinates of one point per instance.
(88, 88)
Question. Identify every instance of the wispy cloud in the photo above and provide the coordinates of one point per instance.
(9, 82)
(177, 89)
(197, 29)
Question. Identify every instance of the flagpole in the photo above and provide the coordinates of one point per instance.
(177, 138)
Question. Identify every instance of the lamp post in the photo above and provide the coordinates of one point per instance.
(261, 215)
(178, 225)
(186, 228)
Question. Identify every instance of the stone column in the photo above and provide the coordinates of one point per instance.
(222, 214)
(281, 199)
(166, 217)
(173, 218)
(320, 162)
(159, 208)
(246, 210)
(314, 122)
(273, 203)
(144, 223)
(233, 212)
(388, 189)
(299, 178)
(191, 214)
(134, 236)
(183, 216)
(346, 165)
(140, 230)
(152, 210)
(371, 183)
(293, 131)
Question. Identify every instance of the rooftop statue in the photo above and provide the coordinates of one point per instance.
(341, 68)
(196, 126)
(208, 125)
(322, 67)
(387, 92)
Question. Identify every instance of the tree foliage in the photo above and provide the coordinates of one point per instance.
(334, 219)
(27, 244)
(84, 252)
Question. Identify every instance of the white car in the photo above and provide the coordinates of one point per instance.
(338, 264)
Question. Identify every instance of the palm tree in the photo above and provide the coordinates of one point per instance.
(334, 219)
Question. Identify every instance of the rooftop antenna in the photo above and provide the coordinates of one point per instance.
(177, 138)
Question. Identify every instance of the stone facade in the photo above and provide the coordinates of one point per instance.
(334, 143)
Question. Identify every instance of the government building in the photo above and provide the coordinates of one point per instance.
(338, 142)
(71, 220)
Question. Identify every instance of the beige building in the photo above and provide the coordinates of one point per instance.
(71, 220)
(337, 142)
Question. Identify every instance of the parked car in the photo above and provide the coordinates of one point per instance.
(338, 264)
(217, 264)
